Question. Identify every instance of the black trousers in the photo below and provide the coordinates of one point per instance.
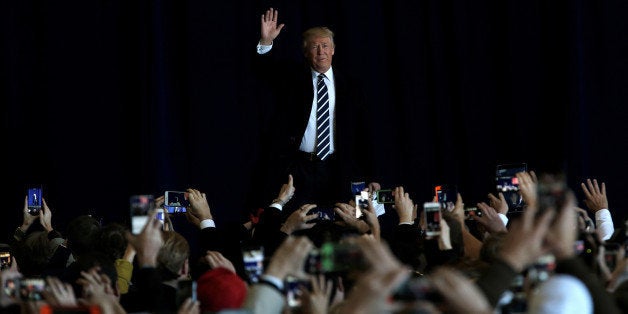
(316, 182)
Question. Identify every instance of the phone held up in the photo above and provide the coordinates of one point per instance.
(446, 195)
(294, 290)
(176, 202)
(361, 203)
(140, 206)
(34, 200)
(253, 259)
(432, 213)
(324, 213)
(385, 196)
(5, 256)
(506, 182)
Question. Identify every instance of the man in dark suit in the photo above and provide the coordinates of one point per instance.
(323, 157)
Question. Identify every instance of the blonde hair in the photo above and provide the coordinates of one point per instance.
(172, 255)
(319, 31)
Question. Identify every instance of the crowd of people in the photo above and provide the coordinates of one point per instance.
(542, 260)
(311, 251)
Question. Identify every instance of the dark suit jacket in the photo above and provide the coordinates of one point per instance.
(291, 96)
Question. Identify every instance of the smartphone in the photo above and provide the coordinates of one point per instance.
(361, 203)
(34, 201)
(432, 213)
(176, 202)
(446, 195)
(11, 288)
(551, 192)
(294, 290)
(31, 289)
(324, 214)
(610, 254)
(186, 288)
(472, 211)
(508, 184)
(313, 263)
(253, 258)
(385, 197)
(5, 259)
(140, 206)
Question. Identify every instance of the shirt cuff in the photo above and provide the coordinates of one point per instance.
(406, 223)
(603, 214)
(207, 223)
(503, 218)
(274, 280)
(277, 205)
(262, 49)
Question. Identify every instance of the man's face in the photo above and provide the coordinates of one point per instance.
(319, 52)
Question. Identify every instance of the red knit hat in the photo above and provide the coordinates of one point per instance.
(219, 289)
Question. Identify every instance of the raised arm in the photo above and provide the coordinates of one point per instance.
(597, 202)
(269, 27)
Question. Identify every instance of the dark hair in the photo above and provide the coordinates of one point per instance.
(33, 253)
(111, 240)
(82, 233)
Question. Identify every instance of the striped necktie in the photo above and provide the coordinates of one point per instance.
(323, 141)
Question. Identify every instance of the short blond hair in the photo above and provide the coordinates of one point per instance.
(172, 255)
(319, 31)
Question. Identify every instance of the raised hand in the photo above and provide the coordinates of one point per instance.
(489, 219)
(269, 27)
(45, 216)
(385, 274)
(458, 211)
(527, 187)
(404, 205)
(59, 293)
(97, 290)
(498, 203)
(317, 300)
(286, 192)
(215, 260)
(289, 258)
(526, 239)
(595, 195)
(346, 212)
(370, 217)
(199, 208)
(299, 219)
(28, 218)
(148, 242)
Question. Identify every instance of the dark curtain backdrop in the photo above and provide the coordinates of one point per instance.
(102, 99)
